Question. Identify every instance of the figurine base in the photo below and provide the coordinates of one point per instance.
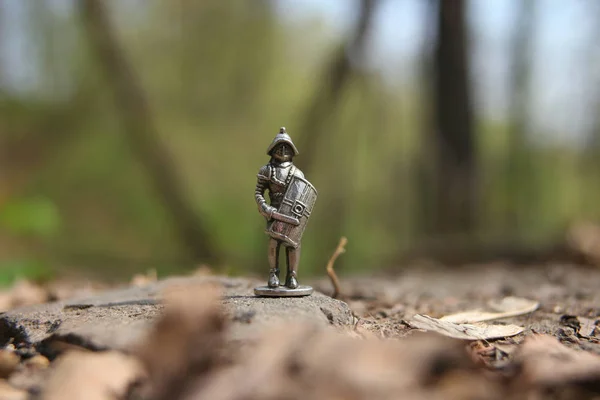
(283, 291)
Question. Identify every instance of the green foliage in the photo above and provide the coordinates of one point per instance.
(221, 78)
(36, 217)
(30, 269)
(31, 218)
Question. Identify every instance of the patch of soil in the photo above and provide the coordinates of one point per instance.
(383, 304)
(366, 350)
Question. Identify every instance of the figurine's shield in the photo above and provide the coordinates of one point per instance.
(292, 216)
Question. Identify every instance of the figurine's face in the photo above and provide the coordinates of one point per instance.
(283, 152)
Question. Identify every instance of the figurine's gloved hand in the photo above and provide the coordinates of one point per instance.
(268, 211)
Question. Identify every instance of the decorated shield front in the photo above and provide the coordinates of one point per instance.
(292, 216)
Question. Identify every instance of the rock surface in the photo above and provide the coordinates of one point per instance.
(118, 318)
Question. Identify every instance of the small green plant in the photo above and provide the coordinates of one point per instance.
(35, 218)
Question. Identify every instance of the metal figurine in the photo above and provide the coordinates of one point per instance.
(292, 199)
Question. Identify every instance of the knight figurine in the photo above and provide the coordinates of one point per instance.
(292, 198)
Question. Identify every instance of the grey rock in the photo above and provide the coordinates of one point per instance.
(116, 319)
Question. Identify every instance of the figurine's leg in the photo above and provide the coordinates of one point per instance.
(293, 259)
(274, 246)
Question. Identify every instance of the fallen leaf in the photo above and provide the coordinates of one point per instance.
(479, 331)
(581, 326)
(547, 362)
(584, 238)
(66, 288)
(507, 307)
(144, 279)
(22, 293)
(203, 270)
(37, 361)
(588, 326)
(185, 343)
(8, 392)
(297, 361)
(92, 376)
(9, 361)
(570, 321)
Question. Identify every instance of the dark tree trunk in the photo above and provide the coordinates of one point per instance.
(453, 142)
(140, 130)
(592, 143)
(518, 166)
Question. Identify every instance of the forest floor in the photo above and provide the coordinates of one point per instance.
(370, 349)
(564, 292)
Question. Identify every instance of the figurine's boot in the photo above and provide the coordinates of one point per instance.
(290, 280)
(293, 259)
(274, 278)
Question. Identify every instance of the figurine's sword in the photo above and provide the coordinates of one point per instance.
(285, 218)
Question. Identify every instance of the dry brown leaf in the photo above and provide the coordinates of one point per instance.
(584, 238)
(203, 270)
(507, 307)
(38, 361)
(8, 392)
(9, 361)
(144, 279)
(547, 362)
(65, 288)
(22, 293)
(188, 337)
(294, 361)
(479, 331)
(92, 376)
(588, 326)
(583, 327)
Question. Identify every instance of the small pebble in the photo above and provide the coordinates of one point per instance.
(558, 309)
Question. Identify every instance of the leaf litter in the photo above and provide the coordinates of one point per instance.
(507, 307)
(582, 326)
(469, 324)
(186, 357)
(477, 331)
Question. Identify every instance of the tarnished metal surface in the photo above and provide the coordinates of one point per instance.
(283, 291)
(291, 201)
(297, 205)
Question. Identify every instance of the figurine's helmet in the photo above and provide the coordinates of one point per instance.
(282, 137)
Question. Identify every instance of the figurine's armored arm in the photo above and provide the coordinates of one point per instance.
(259, 193)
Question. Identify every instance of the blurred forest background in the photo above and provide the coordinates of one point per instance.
(131, 131)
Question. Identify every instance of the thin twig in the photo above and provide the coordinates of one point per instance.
(330, 271)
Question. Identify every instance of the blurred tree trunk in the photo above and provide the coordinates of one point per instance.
(328, 92)
(325, 104)
(592, 58)
(341, 187)
(518, 167)
(422, 195)
(589, 165)
(455, 168)
(141, 131)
